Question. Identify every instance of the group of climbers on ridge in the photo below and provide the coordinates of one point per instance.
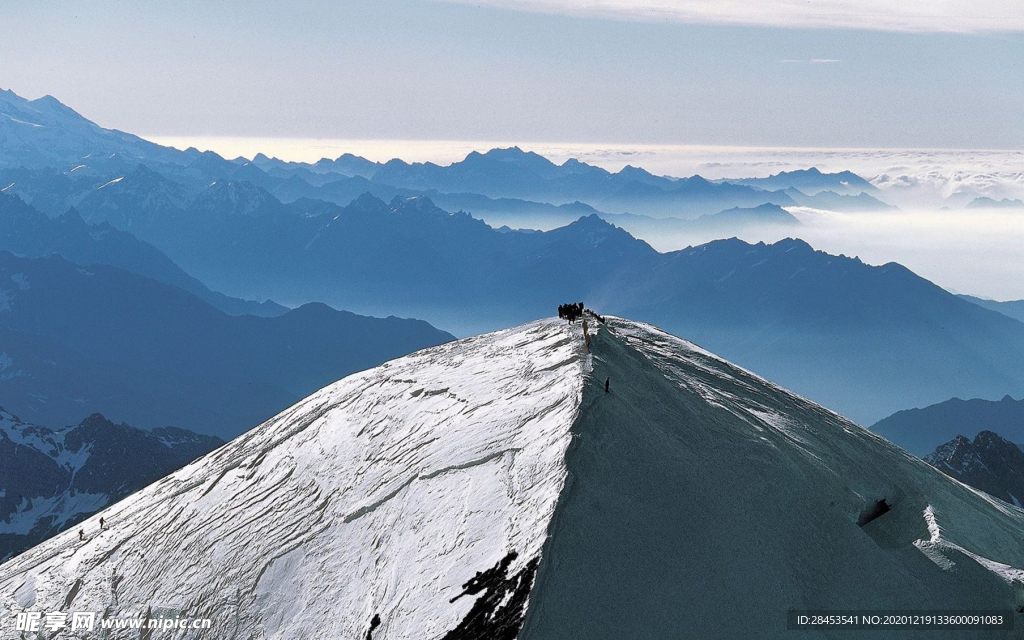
(570, 311)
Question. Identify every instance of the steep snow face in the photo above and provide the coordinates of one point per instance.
(706, 502)
(376, 498)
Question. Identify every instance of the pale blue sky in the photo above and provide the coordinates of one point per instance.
(425, 69)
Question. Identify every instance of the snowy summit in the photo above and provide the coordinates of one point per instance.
(491, 488)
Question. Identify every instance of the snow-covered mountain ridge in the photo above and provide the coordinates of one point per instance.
(491, 488)
(435, 465)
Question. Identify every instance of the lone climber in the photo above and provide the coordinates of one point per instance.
(81, 534)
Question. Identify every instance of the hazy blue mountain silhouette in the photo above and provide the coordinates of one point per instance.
(990, 203)
(1011, 308)
(346, 164)
(97, 338)
(67, 157)
(138, 197)
(832, 201)
(919, 431)
(48, 190)
(724, 224)
(514, 212)
(795, 315)
(513, 173)
(786, 311)
(27, 232)
(743, 216)
(812, 181)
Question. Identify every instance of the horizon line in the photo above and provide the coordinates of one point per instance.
(303, 149)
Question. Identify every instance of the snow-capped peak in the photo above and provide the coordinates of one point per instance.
(462, 444)
(537, 482)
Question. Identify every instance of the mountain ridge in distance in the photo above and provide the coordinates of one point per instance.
(247, 256)
(812, 181)
(921, 430)
(775, 313)
(983, 202)
(54, 478)
(79, 339)
(27, 232)
(990, 463)
(1010, 308)
(509, 173)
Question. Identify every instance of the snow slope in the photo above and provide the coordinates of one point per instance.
(695, 500)
(716, 501)
(45, 132)
(434, 466)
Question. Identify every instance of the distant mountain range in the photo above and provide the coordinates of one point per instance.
(46, 133)
(919, 431)
(52, 158)
(991, 464)
(989, 203)
(512, 173)
(727, 223)
(27, 232)
(1012, 308)
(52, 479)
(784, 310)
(77, 339)
(812, 181)
(832, 201)
(852, 336)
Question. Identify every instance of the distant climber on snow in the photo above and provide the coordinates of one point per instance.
(81, 534)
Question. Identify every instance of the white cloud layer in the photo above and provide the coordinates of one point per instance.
(923, 16)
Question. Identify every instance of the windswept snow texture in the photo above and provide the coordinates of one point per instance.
(490, 489)
(379, 496)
